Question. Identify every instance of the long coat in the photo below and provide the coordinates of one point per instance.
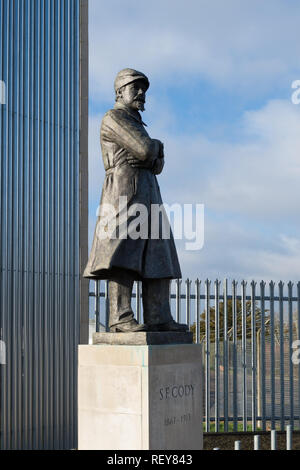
(122, 136)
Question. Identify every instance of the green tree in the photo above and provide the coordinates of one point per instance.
(212, 318)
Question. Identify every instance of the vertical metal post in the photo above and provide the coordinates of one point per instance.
(170, 294)
(272, 333)
(273, 440)
(225, 346)
(298, 338)
(259, 393)
(281, 335)
(207, 355)
(244, 354)
(234, 326)
(290, 349)
(263, 356)
(257, 442)
(188, 302)
(138, 301)
(289, 437)
(237, 445)
(253, 355)
(178, 299)
(217, 356)
(106, 306)
(97, 303)
(197, 309)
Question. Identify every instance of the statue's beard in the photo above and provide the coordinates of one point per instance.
(140, 105)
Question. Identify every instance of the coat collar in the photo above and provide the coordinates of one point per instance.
(135, 114)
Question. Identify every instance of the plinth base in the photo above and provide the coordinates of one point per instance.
(143, 338)
(140, 397)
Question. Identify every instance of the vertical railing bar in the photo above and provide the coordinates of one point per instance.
(207, 355)
(290, 352)
(217, 341)
(188, 302)
(272, 333)
(97, 302)
(197, 312)
(225, 345)
(170, 294)
(253, 355)
(106, 306)
(178, 300)
(244, 355)
(281, 334)
(262, 356)
(234, 325)
(138, 301)
(298, 338)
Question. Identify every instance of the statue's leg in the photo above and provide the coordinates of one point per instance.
(120, 310)
(156, 306)
(156, 303)
(121, 317)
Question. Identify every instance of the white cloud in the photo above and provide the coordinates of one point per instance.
(247, 45)
(235, 253)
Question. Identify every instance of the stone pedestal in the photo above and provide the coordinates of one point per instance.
(140, 397)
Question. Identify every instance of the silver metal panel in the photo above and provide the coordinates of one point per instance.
(39, 222)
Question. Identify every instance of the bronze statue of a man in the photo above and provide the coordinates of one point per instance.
(131, 161)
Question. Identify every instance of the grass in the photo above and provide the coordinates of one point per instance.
(230, 427)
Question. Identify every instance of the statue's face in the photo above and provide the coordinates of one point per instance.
(134, 95)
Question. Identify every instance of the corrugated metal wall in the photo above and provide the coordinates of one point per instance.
(40, 218)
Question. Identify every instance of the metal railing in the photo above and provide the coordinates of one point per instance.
(248, 333)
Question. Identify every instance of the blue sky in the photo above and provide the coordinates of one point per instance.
(220, 100)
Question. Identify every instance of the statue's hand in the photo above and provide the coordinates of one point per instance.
(136, 163)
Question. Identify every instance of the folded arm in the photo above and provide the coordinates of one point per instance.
(131, 136)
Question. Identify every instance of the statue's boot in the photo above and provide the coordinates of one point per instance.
(156, 306)
(128, 327)
(121, 317)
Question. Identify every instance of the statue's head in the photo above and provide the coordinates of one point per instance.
(131, 87)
